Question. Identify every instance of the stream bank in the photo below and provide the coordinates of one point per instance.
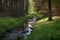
(18, 34)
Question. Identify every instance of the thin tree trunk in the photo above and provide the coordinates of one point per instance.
(43, 3)
(50, 11)
(26, 6)
(0, 1)
(21, 8)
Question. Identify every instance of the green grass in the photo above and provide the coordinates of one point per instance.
(11, 23)
(46, 30)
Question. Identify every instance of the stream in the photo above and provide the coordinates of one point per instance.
(18, 34)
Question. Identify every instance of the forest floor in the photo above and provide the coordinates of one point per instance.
(46, 30)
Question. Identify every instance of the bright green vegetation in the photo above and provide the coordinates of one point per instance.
(46, 30)
(11, 23)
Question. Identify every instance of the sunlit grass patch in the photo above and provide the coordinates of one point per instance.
(42, 20)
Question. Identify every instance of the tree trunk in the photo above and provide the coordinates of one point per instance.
(57, 6)
(0, 4)
(26, 6)
(42, 3)
(0, 1)
(50, 11)
(21, 8)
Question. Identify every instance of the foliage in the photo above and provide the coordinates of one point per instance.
(39, 15)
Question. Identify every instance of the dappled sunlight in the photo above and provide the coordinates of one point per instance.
(46, 19)
(56, 17)
(42, 20)
(46, 22)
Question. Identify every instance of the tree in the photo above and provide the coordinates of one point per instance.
(38, 4)
(43, 3)
(26, 6)
(16, 8)
(50, 11)
(57, 6)
(21, 8)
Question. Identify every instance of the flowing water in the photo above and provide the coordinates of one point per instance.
(18, 34)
